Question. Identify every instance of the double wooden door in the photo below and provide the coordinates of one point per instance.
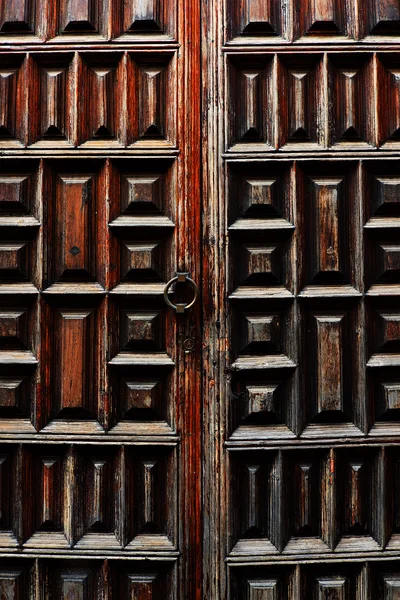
(248, 447)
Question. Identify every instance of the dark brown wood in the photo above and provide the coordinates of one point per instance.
(251, 447)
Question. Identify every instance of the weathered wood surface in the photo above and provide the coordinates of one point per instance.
(254, 144)
(301, 357)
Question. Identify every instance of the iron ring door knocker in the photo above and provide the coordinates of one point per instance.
(181, 308)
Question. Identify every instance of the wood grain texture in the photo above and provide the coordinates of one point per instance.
(250, 448)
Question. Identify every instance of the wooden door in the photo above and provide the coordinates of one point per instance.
(248, 448)
(99, 379)
(302, 348)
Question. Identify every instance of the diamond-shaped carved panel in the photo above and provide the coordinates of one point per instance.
(262, 337)
(383, 326)
(254, 19)
(14, 193)
(141, 193)
(140, 397)
(259, 197)
(14, 395)
(13, 260)
(260, 261)
(13, 328)
(260, 332)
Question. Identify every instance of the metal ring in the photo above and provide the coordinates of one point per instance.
(183, 278)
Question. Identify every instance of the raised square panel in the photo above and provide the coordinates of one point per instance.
(141, 330)
(332, 587)
(388, 259)
(142, 401)
(138, 337)
(14, 395)
(382, 199)
(249, 20)
(352, 115)
(18, 195)
(151, 100)
(382, 261)
(250, 92)
(260, 331)
(328, 198)
(14, 193)
(384, 397)
(261, 404)
(13, 261)
(301, 116)
(261, 262)
(391, 585)
(142, 194)
(141, 396)
(53, 124)
(383, 322)
(141, 261)
(13, 328)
